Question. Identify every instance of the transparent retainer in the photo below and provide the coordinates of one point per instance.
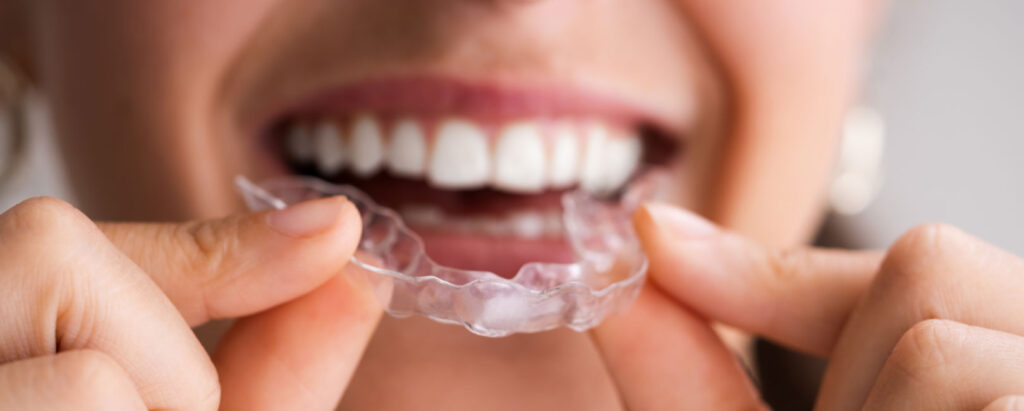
(609, 271)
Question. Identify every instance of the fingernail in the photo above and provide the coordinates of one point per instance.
(680, 222)
(307, 218)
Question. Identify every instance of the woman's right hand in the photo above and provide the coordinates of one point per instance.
(97, 316)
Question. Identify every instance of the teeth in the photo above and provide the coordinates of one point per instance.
(519, 159)
(461, 158)
(565, 152)
(592, 173)
(330, 148)
(528, 225)
(622, 156)
(407, 151)
(367, 147)
(299, 143)
(608, 162)
(526, 156)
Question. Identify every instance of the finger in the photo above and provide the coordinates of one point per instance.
(71, 380)
(799, 298)
(940, 364)
(245, 263)
(63, 286)
(1007, 403)
(299, 355)
(932, 272)
(663, 357)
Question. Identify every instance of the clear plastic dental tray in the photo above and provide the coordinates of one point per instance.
(605, 278)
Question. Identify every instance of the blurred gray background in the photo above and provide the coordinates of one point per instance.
(947, 78)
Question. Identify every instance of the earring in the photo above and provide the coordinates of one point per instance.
(13, 87)
(859, 169)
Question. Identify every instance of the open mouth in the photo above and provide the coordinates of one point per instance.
(476, 170)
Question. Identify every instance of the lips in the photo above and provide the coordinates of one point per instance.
(477, 170)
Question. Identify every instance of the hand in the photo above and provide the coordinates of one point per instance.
(98, 316)
(931, 323)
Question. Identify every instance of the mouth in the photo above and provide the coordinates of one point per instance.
(477, 170)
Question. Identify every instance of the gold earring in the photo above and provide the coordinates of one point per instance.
(13, 87)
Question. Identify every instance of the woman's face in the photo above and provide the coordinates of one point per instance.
(475, 110)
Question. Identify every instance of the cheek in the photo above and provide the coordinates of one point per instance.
(792, 67)
(133, 88)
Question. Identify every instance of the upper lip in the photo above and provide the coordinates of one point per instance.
(428, 97)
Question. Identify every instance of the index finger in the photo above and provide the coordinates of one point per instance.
(244, 263)
(799, 297)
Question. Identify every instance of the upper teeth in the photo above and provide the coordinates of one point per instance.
(522, 157)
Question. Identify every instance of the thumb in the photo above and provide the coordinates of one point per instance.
(300, 355)
(797, 297)
(244, 263)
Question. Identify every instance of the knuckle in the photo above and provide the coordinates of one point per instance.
(47, 238)
(927, 347)
(43, 218)
(781, 264)
(209, 247)
(927, 241)
(923, 268)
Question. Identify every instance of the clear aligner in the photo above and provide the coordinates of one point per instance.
(606, 277)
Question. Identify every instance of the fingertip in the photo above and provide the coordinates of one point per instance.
(317, 235)
(691, 260)
(280, 255)
(667, 233)
(680, 223)
(309, 218)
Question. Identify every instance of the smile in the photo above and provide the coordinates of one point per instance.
(476, 170)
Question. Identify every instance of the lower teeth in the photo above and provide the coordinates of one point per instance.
(526, 224)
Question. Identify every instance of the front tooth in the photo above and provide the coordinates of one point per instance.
(622, 156)
(367, 147)
(299, 143)
(527, 225)
(460, 158)
(519, 159)
(592, 173)
(565, 152)
(330, 149)
(407, 151)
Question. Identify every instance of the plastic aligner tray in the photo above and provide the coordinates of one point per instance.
(609, 271)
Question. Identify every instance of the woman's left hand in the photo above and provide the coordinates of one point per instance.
(934, 322)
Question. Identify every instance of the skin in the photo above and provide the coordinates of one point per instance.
(926, 324)
(153, 103)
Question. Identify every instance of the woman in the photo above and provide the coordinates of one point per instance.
(458, 106)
